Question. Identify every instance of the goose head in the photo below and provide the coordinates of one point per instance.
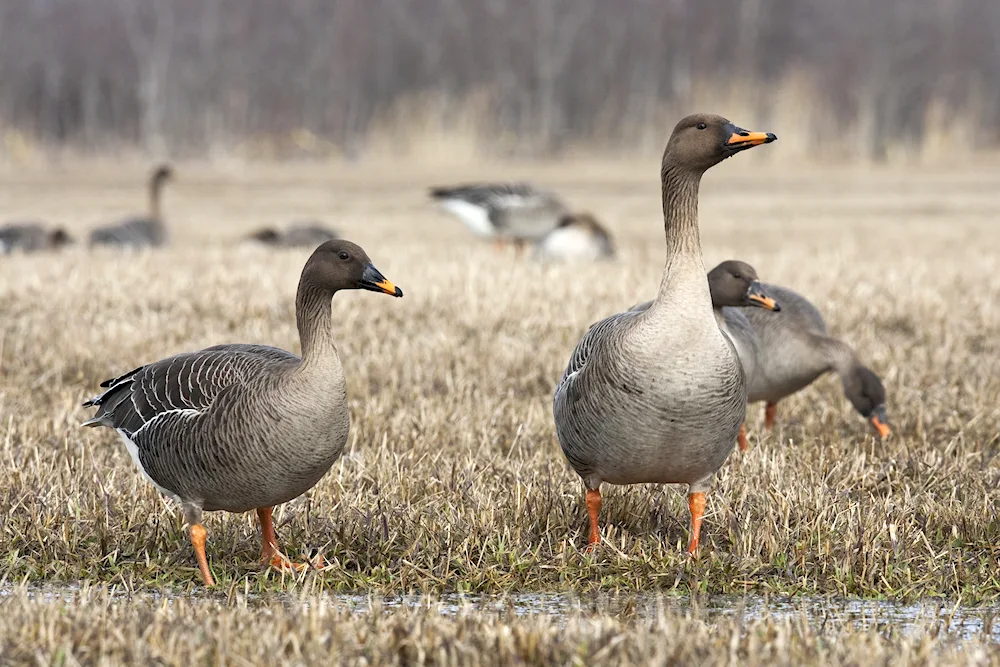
(867, 394)
(59, 237)
(339, 264)
(702, 140)
(265, 235)
(162, 174)
(734, 283)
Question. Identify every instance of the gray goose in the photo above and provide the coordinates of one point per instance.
(31, 237)
(296, 235)
(147, 231)
(659, 395)
(734, 284)
(515, 212)
(240, 427)
(795, 348)
(579, 237)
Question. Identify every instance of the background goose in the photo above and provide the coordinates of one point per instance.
(734, 283)
(795, 349)
(296, 235)
(31, 237)
(659, 395)
(139, 232)
(579, 237)
(516, 212)
(240, 427)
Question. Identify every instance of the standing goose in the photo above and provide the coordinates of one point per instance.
(31, 237)
(734, 284)
(240, 427)
(579, 237)
(659, 395)
(516, 212)
(795, 349)
(139, 232)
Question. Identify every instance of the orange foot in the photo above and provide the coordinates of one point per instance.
(283, 563)
(741, 439)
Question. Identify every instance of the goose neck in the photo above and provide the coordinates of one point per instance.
(313, 320)
(684, 269)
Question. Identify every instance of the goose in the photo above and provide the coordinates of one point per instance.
(732, 284)
(139, 232)
(31, 237)
(239, 427)
(516, 212)
(659, 395)
(795, 349)
(296, 235)
(579, 237)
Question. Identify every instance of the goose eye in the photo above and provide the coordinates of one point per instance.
(343, 255)
(701, 126)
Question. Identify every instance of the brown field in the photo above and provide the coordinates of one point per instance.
(453, 480)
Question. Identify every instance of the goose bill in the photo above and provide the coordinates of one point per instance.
(740, 139)
(372, 280)
(878, 420)
(757, 298)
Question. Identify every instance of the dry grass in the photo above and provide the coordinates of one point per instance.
(453, 479)
(96, 628)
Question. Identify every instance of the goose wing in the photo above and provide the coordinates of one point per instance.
(183, 386)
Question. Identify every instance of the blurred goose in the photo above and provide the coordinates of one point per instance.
(516, 212)
(31, 237)
(241, 427)
(579, 237)
(795, 349)
(296, 235)
(143, 231)
(733, 283)
(659, 395)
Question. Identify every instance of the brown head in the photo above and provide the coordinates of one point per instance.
(339, 264)
(162, 174)
(702, 140)
(59, 237)
(266, 235)
(734, 283)
(867, 394)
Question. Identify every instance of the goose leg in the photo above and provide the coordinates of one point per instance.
(770, 412)
(498, 244)
(594, 510)
(269, 545)
(199, 535)
(741, 439)
(696, 505)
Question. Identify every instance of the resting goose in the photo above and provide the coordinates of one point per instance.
(733, 284)
(516, 212)
(659, 395)
(795, 349)
(139, 232)
(579, 237)
(296, 235)
(240, 427)
(31, 237)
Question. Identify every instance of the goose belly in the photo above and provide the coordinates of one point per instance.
(475, 217)
(677, 428)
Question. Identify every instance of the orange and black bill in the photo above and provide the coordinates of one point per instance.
(878, 420)
(756, 297)
(372, 280)
(740, 139)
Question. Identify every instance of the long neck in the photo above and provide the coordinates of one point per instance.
(841, 358)
(312, 317)
(155, 185)
(684, 268)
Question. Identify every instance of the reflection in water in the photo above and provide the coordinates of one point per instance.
(966, 622)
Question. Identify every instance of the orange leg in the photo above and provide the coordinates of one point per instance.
(769, 414)
(198, 535)
(594, 510)
(696, 504)
(269, 545)
(741, 439)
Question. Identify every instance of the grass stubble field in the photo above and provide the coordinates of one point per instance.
(453, 480)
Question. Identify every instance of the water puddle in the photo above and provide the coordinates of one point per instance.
(961, 621)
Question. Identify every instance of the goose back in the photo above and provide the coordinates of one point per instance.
(508, 210)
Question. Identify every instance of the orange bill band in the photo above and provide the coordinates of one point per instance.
(883, 429)
(765, 301)
(387, 287)
(752, 138)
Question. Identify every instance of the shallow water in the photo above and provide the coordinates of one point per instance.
(960, 621)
